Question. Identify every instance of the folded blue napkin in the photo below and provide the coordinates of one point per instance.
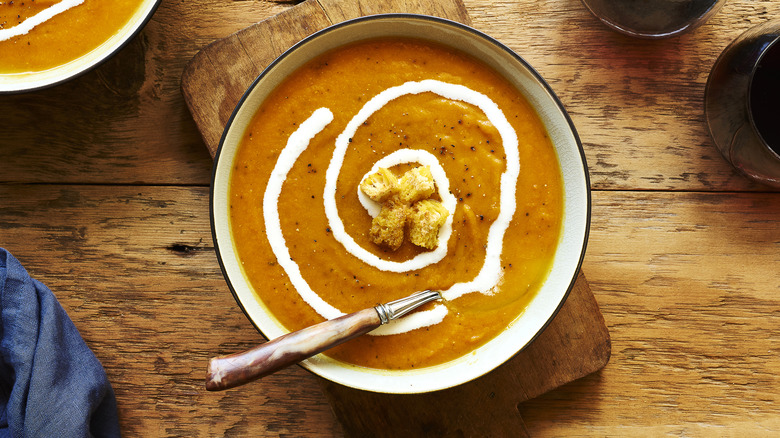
(51, 384)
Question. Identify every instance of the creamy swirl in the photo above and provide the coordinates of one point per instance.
(489, 275)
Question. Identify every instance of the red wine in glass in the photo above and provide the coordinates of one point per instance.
(742, 103)
(765, 97)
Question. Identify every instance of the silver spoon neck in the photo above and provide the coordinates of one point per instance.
(398, 308)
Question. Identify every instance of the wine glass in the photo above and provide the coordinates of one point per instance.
(653, 18)
(742, 103)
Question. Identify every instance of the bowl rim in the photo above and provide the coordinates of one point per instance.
(478, 34)
(137, 27)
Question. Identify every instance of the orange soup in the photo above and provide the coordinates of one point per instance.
(64, 30)
(314, 258)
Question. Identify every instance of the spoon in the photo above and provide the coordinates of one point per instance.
(237, 369)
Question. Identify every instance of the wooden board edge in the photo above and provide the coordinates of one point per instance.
(590, 356)
(197, 70)
(340, 10)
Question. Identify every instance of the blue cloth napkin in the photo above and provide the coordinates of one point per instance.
(51, 384)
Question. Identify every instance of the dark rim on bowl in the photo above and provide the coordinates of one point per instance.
(461, 26)
(141, 25)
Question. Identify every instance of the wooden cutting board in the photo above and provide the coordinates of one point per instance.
(576, 342)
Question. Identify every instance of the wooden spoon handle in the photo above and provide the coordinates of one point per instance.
(237, 369)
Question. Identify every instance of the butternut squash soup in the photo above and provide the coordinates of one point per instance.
(301, 226)
(37, 35)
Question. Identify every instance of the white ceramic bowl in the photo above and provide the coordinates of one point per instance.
(571, 248)
(25, 82)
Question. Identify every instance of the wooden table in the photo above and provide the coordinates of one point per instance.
(104, 197)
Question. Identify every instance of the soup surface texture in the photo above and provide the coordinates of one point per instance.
(433, 104)
(64, 30)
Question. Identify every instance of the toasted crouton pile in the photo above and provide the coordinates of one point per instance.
(405, 203)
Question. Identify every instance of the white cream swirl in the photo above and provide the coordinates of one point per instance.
(489, 275)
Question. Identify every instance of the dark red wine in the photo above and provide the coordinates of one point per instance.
(765, 97)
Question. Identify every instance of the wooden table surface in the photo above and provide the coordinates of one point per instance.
(104, 197)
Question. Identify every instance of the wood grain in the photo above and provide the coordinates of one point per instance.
(638, 105)
(135, 269)
(691, 305)
(104, 197)
(338, 10)
(215, 68)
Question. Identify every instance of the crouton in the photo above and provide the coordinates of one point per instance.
(416, 184)
(387, 228)
(380, 185)
(425, 219)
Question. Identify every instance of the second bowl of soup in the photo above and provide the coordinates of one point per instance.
(46, 42)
